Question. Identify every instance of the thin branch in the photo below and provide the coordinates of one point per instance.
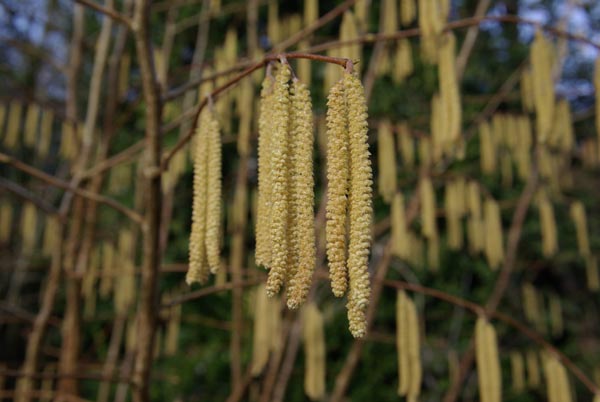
(110, 12)
(22, 192)
(38, 174)
(209, 291)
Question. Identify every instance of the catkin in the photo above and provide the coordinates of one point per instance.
(13, 125)
(51, 231)
(349, 32)
(527, 98)
(543, 85)
(302, 191)
(28, 227)
(580, 221)
(487, 149)
(449, 89)
(338, 172)
(108, 260)
(532, 307)
(547, 226)
(403, 61)
(173, 327)
(428, 220)
(359, 205)
(592, 275)
(533, 369)
(454, 211)
(314, 350)
(400, 235)
(562, 135)
(557, 382)
(402, 330)
(32, 118)
(311, 11)
(213, 196)
(273, 27)
(414, 351)
(386, 156)
(124, 292)
(517, 369)
(263, 244)
(45, 133)
(488, 363)
(494, 244)
(475, 230)
(6, 215)
(266, 338)
(406, 145)
(198, 266)
(408, 12)
(280, 151)
(556, 315)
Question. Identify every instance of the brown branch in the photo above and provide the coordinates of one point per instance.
(22, 192)
(198, 294)
(470, 38)
(108, 11)
(53, 181)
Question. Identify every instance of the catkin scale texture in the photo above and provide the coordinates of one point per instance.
(337, 188)
(360, 205)
(213, 196)
(279, 182)
(387, 161)
(302, 190)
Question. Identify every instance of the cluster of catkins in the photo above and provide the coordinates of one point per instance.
(285, 233)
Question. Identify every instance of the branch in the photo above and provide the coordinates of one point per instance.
(28, 195)
(131, 214)
(106, 11)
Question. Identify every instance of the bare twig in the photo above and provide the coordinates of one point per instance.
(108, 11)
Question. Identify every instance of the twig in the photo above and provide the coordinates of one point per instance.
(209, 291)
(29, 196)
(109, 11)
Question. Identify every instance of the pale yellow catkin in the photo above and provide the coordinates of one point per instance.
(173, 329)
(433, 253)
(592, 274)
(431, 23)
(475, 229)
(449, 89)
(125, 288)
(494, 243)
(280, 152)
(556, 315)
(107, 276)
(562, 135)
(454, 211)
(580, 221)
(488, 363)
(198, 266)
(273, 27)
(428, 218)
(314, 351)
(361, 10)
(213, 196)
(533, 369)
(557, 381)
(487, 148)
(517, 369)
(88, 286)
(543, 85)
(261, 339)
(402, 348)
(302, 191)
(547, 226)
(424, 144)
(13, 126)
(401, 246)
(403, 61)
(532, 307)
(349, 32)
(406, 145)
(338, 173)
(51, 230)
(413, 351)
(386, 157)
(6, 217)
(597, 88)
(43, 145)
(311, 11)
(526, 86)
(360, 205)
(32, 118)
(28, 227)
(408, 12)
(265, 121)
(523, 151)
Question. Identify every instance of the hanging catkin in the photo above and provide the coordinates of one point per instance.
(557, 382)
(408, 12)
(517, 370)
(6, 215)
(338, 172)
(547, 226)
(488, 362)
(359, 205)
(580, 221)
(302, 192)
(406, 145)
(311, 11)
(487, 148)
(408, 347)
(431, 23)
(124, 292)
(428, 220)
(43, 145)
(173, 327)
(28, 227)
(32, 118)
(562, 135)
(532, 305)
(279, 165)
(51, 231)
(556, 315)
(400, 236)
(543, 85)
(263, 220)
(266, 329)
(449, 89)
(523, 151)
(592, 275)
(13, 126)
(494, 244)
(314, 351)
(453, 210)
(349, 32)
(533, 369)
(106, 281)
(386, 156)
(213, 196)
(475, 230)
(403, 61)
(273, 27)
(527, 98)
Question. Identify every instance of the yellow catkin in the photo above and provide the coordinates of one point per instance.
(273, 27)
(311, 11)
(314, 351)
(6, 217)
(408, 12)
(349, 32)
(406, 145)
(402, 348)
(213, 197)
(547, 226)
(338, 172)
(428, 219)
(533, 369)
(532, 305)
(173, 327)
(43, 145)
(475, 230)
(13, 126)
(488, 363)
(527, 90)
(88, 286)
(361, 10)
(386, 156)
(557, 381)
(302, 191)
(494, 243)
(124, 67)
(438, 130)
(108, 261)
(262, 337)
(403, 61)
(424, 144)
(454, 212)
(433, 253)
(449, 89)
(487, 148)
(597, 88)
(360, 205)
(523, 151)
(68, 141)
(413, 351)
(592, 275)
(32, 118)
(198, 266)
(562, 135)
(280, 195)
(431, 23)
(517, 369)
(543, 85)
(124, 292)
(401, 246)
(580, 221)
(28, 227)
(263, 244)
(556, 315)
(51, 230)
